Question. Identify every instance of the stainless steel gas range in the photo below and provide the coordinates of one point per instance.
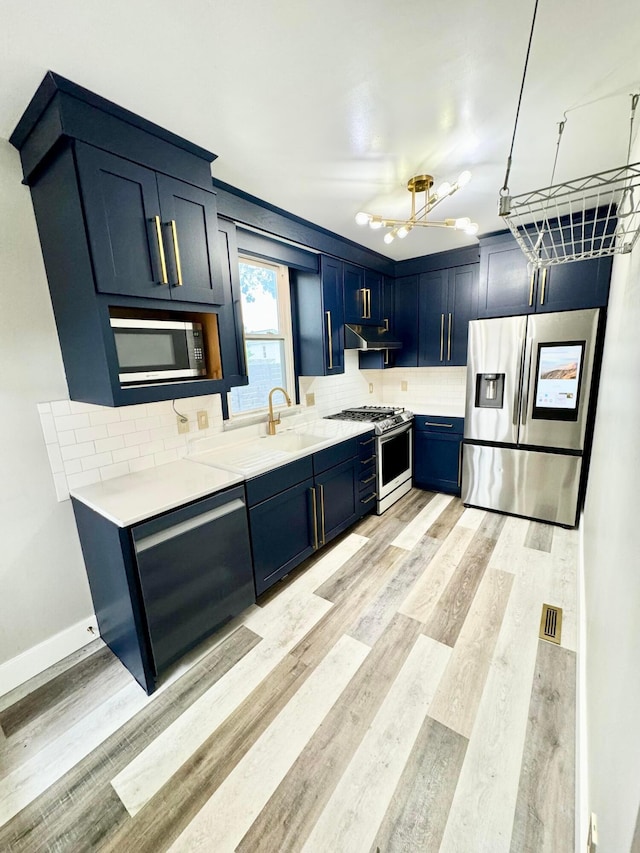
(394, 454)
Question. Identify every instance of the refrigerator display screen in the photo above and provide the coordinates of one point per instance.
(558, 374)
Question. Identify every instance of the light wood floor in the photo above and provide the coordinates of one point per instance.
(391, 695)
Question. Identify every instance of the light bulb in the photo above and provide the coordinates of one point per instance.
(444, 189)
(403, 231)
(464, 178)
(472, 229)
(375, 222)
(463, 223)
(390, 236)
(362, 218)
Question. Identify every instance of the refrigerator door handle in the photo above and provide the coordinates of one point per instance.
(526, 382)
(517, 397)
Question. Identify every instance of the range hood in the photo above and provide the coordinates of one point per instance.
(369, 337)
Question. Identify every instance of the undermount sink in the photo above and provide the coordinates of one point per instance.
(290, 442)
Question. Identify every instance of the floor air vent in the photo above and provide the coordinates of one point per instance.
(551, 623)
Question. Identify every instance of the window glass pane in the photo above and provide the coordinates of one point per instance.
(259, 289)
(266, 363)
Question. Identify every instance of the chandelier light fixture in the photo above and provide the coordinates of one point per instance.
(422, 184)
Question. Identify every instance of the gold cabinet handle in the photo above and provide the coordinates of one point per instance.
(459, 464)
(449, 338)
(371, 497)
(315, 518)
(367, 461)
(431, 423)
(533, 278)
(442, 337)
(386, 356)
(363, 292)
(386, 324)
(544, 284)
(368, 303)
(176, 251)
(368, 480)
(322, 512)
(329, 340)
(163, 260)
(368, 441)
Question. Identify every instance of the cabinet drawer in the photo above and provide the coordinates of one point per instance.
(439, 425)
(366, 445)
(367, 479)
(334, 455)
(266, 485)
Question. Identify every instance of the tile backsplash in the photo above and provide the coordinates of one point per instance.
(88, 443)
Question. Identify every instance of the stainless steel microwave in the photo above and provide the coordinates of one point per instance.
(158, 350)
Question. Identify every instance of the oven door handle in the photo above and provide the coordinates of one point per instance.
(394, 433)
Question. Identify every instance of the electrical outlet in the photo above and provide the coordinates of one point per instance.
(183, 425)
(310, 399)
(203, 419)
(371, 387)
(403, 385)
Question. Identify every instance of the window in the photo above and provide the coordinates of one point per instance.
(266, 314)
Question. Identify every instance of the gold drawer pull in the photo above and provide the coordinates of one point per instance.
(330, 339)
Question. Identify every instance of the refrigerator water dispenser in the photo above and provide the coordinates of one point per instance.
(489, 390)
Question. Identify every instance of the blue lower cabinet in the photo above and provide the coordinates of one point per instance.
(288, 524)
(338, 499)
(437, 453)
(282, 533)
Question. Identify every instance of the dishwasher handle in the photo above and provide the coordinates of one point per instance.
(152, 540)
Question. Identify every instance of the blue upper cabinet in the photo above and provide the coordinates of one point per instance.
(319, 314)
(508, 286)
(405, 320)
(448, 299)
(150, 235)
(362, 295)
(382, 359)
(432, 318)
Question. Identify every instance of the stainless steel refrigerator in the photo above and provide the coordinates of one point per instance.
(529, 386)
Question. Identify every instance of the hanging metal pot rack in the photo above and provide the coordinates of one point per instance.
(589, 217)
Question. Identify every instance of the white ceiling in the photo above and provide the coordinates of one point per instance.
(327, 108)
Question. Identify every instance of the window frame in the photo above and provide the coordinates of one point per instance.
(285, 324)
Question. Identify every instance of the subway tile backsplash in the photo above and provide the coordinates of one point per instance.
(87, 443)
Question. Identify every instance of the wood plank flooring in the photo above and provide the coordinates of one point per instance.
(390, 695)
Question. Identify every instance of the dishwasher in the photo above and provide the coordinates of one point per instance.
(195, 572)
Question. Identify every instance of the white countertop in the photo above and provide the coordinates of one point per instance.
(214, 464)
(259, 454)
(135, 497)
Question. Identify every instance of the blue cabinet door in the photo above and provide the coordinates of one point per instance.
(355, 303)
(373, 288)
(507, 285)
(338, 499)
(283, 533)
(382, 359)
(580, 284)
(150, 235)
(319, 311)
(436, 462)
(462, 298)
(190, 232)
(405, 320)
(432, 313)
(123, 224)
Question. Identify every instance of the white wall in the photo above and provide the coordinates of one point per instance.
(612, 571)
(42, 578)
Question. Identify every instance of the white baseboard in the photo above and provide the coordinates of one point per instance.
(582, 745)
(35, 660)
